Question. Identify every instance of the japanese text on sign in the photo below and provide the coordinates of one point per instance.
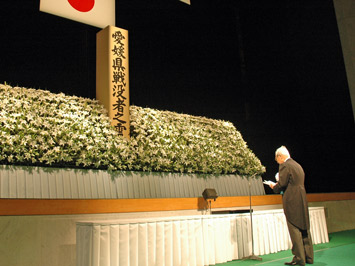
(118, 81)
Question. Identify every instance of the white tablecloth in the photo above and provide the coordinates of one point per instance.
(188, 240)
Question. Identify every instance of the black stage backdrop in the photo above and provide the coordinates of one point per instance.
(273, 68)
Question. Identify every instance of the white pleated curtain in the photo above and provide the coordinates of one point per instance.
(182, 241)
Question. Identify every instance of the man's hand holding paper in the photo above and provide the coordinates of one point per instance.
(269, 183)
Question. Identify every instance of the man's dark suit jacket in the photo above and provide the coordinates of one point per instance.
(295, 205)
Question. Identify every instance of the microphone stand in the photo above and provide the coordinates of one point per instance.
(252, 256)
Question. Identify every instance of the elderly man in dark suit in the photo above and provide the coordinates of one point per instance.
(295, 205)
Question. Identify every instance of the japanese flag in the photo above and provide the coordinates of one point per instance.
(98, 13)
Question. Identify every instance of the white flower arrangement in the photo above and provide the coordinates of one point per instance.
(41, 128)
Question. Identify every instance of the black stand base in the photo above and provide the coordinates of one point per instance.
(252, 257)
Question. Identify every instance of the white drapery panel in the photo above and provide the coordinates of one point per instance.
(26, 182)
(189, 240)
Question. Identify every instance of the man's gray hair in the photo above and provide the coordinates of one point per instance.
(282, 151)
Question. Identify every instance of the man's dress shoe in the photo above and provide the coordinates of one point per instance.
(294, 263)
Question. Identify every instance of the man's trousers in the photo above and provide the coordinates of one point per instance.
(302, 247)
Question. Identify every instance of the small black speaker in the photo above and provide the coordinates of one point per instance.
(209, 193)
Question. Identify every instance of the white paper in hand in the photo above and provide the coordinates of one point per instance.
(269, 182)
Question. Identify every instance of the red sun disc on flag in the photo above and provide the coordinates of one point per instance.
(82, 5)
